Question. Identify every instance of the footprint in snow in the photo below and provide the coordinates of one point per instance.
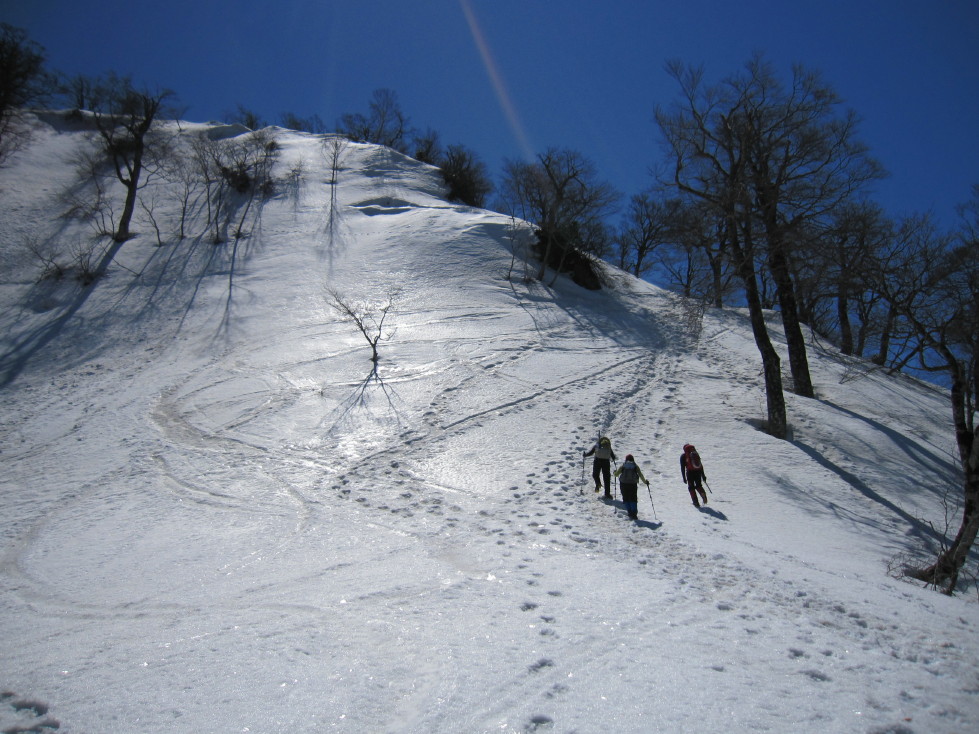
(539, 723)
(816, 675)
(33, 713)
(556, 690)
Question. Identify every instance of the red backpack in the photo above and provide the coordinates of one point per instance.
(693, 458)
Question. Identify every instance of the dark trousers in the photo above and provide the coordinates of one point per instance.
(630, 498)
(602, 468)
(695, 479)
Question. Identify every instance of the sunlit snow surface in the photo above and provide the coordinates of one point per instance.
(214, 517)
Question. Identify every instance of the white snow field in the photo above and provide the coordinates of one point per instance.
(215, 519)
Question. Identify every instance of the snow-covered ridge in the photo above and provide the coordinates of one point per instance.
(216, 517)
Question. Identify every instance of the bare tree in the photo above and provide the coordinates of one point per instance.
(858, 234)
(125, 117)
(182, 171)
(804, 162)
(646, 226)
(234, 171)
(368, 317)
(384, 124)
(247, 117)
(428, 147)
(710, 165)
(680, 239)
(335, 146)
(23, 82)
(313, 124)
(935, 289)
(563, 196)
(466, 176)
(799, 161)
(702, 231)
(896, 274)
(77, 91)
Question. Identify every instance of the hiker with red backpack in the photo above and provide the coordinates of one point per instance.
(692, 471)
(629, 476)
(601, 468)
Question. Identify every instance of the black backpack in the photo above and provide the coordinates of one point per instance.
(629, 473)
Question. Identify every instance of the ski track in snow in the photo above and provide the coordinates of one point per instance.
(406, 525)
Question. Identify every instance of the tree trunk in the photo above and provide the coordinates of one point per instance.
(132, 188)
(717, 276)
(798, 361)
(548, 246)
(945, 571)
(885, 336)
(843, 315)
(771, 363)
(843, 299)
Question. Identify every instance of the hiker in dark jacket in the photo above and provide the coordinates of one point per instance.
(692, 471)
(601, 468)
(629, 476)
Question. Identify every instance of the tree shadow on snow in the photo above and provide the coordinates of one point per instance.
(935, 462)
(372, 399)
(917, 527)
(23, 349)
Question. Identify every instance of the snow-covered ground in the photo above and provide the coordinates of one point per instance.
(215, 519)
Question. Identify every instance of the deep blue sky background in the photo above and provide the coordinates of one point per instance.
(583, 74)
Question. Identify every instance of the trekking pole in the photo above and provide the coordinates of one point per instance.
(581, 487)
(616, 478)
(708, 486)
(651, 501)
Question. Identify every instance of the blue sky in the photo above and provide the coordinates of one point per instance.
(510, 78)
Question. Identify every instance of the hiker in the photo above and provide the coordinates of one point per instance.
(629, 475)
(601, 467)
(692, 471)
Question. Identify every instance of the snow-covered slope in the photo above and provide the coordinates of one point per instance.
(215, 518)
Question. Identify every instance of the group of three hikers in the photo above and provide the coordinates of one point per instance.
(629, 474)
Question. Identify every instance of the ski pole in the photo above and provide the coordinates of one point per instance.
(708, 486)
(581, 487)
(651, 501)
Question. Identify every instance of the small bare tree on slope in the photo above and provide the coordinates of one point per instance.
(369, 318)
(125, 117)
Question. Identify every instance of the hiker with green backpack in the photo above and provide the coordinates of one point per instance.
(629, 476)
(601, 468)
